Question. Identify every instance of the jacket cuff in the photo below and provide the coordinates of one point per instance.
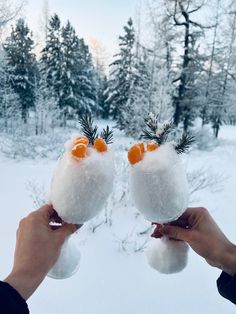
(226, 286)
(11, 300)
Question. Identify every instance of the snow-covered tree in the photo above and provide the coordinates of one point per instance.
(137, 106)
(209, 93)
(103, 96)
(9, 10)
(122, 75)
(86, 80)
(69, 70)
(10, 111)
(67, 66)
(47, 112)
(161, 35)
(51, 58)
(224, 77)
(99, 56)
(22, 65)
(161, 92)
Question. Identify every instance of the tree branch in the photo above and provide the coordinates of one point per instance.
(176, 80)
(198, 7)
(175, 19)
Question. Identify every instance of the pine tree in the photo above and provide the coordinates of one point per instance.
(86, 81)
(51, 58)
(47, 112)
(122, 75)
(69, 71)
(9, 101)
(137, 106)
(103, 93)
(98, 53)
(22, 66)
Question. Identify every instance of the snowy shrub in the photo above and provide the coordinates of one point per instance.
(32, 147)
(204, 139)
(204, 179)
(37, 193)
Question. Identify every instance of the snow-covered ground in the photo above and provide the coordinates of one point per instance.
(114, 277)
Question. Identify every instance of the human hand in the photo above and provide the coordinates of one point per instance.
(37, 249)
(200, 231)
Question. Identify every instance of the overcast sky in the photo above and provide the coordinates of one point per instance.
(100, 19)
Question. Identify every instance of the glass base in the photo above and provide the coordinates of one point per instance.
(68, 262)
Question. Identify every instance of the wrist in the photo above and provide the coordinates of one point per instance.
(228, 261)
(24, 282)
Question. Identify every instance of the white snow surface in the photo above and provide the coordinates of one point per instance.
(114, 276)
(80, 187)
(159, 185)
(167, 256)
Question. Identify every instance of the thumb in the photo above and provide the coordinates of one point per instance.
(66, 230)
(175, 232)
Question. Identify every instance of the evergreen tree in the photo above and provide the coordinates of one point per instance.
(51, 58)
(47, 112)
(103, 93)
(137, 107)
(67, 66)
(21, 65)
(86, 80)
(9, 101)
(122, 75)
(69, 71)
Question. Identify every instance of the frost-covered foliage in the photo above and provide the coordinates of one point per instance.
(21, 66)
(205, 179)
(9, 9)
(66, 64)
(139, 83)
(122, 76)
(204, 139)
(161, 93)
(37, 193)
(137, 105)
(10, 107)
(18, 146)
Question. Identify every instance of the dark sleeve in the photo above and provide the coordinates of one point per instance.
(227, 286)
(10, 300)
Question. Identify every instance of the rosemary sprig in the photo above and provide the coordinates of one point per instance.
(184, 143)
(151, 132)
(107, 135)
(90, 131)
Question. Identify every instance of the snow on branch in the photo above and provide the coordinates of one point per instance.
(204, 179)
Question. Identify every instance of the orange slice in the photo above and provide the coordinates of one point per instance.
(81, 140)
(79, 150)
(100, 145)
(152, 146)
(141, 145)
(135, 154)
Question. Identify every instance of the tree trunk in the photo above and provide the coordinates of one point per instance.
(183, 76)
